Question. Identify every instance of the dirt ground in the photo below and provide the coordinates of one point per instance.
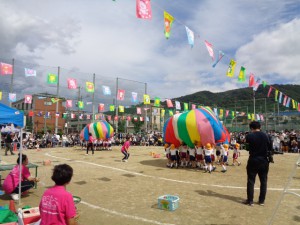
(115, 192)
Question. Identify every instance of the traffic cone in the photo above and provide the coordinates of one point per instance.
(12, 206)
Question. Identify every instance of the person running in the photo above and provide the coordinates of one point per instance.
(90, 144)
(224, 152)
(125, 149)
(236, 154)
(11, 182)
(57, 205)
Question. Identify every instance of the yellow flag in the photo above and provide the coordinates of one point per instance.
(168, 23)
(146, 99)
(293, 103)
(0, 95)
(221, 113)
(252, 116)
(121, 108)
(230, 71)
(162, 113)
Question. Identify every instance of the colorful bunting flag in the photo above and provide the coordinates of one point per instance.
(134, 97)
(226, 113)
(80, 104)
(52, 78)
(232, 114)
(169, 103)
(88, 116)
(190, 36)
(210, 49)
(69, 103)
(30, 72)
(106, 90)
(72, 83)
(269, 92)
(31, 113)
(12, 97)
(221, 54)
(156, 101)
(185, 106)
(128, 118)
(293, 104)
(73, 116)
(193, 106)
(280, 97)
(146, 99)
(65, 115)
(89, 87)
(138, 110)
(135, 118)
(28, 99)
(6, 69)
(221, 114)
(256, 85)
(262, 117)
(242, 76)
(116, 118)
(276, 95)
(109, 117)
(171, 112)
(54, 100)
(100, 107)
(177, 105)
(230, 71)
(285, 100)
(57, 114)
(143, 9)
(168, 24)
(0, 95)
(264, 83)
(141, 118)
(111, 108)
(121, 108)
(121, 95)
(251, 80)
(288, 102)
(162, 112)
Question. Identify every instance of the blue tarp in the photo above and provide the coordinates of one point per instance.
(10, 115)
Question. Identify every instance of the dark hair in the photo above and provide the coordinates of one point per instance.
(62, 174)
(254, 125)
(24, 157)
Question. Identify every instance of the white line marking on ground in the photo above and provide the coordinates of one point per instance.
(124, 215)
(163, 178)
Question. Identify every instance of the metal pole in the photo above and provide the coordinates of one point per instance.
(93, 110)
(146, 128)
(254, 103)
(266, 117)
(117, 87)
(12, 80)
(57, 93)
(78, 99)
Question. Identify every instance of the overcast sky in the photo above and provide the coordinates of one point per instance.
(106, 38)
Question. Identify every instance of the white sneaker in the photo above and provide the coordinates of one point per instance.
(86, 154)
(14, 196)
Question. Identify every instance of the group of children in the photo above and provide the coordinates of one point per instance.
(202, 157)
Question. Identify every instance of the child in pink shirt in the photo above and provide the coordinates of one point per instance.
(57, 205)
(11, 182)
(125, 149)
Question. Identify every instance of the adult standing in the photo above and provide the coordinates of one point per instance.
(260, 149)
(90, 144)
(8, 143)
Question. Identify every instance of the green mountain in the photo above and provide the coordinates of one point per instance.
(242, 99)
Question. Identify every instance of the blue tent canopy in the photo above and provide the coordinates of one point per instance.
(10, 115)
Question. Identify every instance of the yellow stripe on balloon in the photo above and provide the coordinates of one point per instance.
(99, 129)
(191, 125)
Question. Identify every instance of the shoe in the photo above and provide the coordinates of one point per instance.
(12, 153)
(14, 196)
(239, 164)
(223, 171)
(261, 203)
(86, 154)
(246, 202)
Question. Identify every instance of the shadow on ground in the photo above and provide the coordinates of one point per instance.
(218, 195)
(155, 162)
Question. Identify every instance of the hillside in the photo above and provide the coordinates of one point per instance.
(243, 98)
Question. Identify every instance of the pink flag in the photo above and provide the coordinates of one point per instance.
(72, 83)
(28, 99)
(270, 90)
(73, 116)
(141, 118)
(6, 69)
(138, 110)
(193, 106)
(261, 117)
(69, 103)
(116, 118)
(101, 107)
(109, 117)
(121, 95)
(210, 49)
(88, 116)
(57, 114)
(284, 100)
(227, 113)
(143, 9)
(251, 80)
(169, 103)
(128, 118)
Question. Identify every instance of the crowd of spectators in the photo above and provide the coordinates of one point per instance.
(283, 141)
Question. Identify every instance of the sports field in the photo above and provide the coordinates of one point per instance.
(115, 192)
